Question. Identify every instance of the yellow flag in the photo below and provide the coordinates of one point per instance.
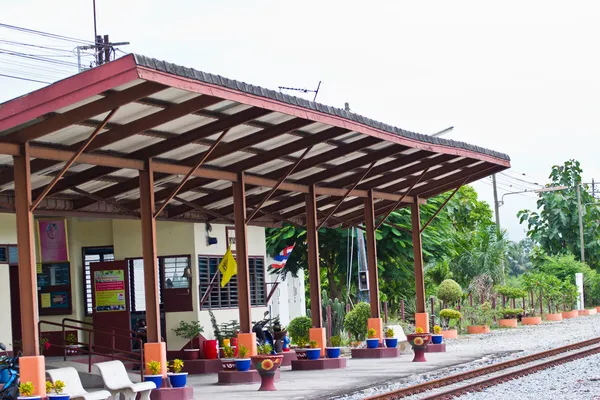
(228, 267)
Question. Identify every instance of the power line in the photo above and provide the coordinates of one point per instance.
(45, 34)
(24, 79)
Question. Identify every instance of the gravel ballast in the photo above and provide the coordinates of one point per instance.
(505, 344)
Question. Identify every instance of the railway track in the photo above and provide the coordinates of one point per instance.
(493, 369)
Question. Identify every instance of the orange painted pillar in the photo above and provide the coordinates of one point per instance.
(156, 352)
(32, 365)
(375, 322)
(421, 316)
(318, 335)
(248, 340)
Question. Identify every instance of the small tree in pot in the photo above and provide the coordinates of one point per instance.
(450, 321)
(189, 330)
(480, 318)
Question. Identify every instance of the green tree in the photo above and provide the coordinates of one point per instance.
(555, 224)
(518, 256)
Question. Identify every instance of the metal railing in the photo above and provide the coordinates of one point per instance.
(95, 349)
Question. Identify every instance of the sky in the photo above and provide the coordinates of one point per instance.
(517, 77)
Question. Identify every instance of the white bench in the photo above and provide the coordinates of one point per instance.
(73, 386)
(117, 381)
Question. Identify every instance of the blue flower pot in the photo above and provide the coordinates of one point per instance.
(59, 396)
(333, 352)
(391, 343)
(372, 343)
(243, 364)
(178, 380)
(313, 354)
(437, 339)
(157, 379)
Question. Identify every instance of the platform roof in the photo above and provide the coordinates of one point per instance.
(178, 116)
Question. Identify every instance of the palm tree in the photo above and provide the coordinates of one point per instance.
(518, 256)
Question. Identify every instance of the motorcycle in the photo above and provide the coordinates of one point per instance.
(263, 335)
(11, 366)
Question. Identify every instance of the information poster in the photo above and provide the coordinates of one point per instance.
(110, 290)
(52, 240)
(54, 300)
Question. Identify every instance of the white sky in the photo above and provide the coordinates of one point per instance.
(518, 77)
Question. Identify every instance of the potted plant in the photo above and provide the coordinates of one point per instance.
(372, 339)
(437, 337)
(177, 378)
(301, 349)
(509, 317)
(71, 344)
(450, 320)
(228, 361)
(334, 351)
(155, 369)
(569, 295)
(314, 351)
(278, 335)
(266, 364)
(480, 318)
(419, 341)
(26, 390)
(56, 387)
(242, 362)
(189, 330)
(390, 341)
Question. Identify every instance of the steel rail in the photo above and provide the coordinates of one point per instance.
(509, 376)
(464, 376)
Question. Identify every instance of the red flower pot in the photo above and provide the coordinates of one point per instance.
(266, 365)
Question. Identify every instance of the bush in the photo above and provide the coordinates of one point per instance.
(356, 321)
(449, 291)
(510, 292)
(449, 314)
(299, 328)
(481, 315)
(510, 313)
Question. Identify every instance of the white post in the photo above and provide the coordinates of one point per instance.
(579, 284)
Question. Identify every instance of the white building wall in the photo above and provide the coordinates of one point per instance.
(288, 301)
(8, 235)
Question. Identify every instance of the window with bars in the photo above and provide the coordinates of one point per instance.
(170, 275)
(92, 255)
(227, 297)
(9, 255)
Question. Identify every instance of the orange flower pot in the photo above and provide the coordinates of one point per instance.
(592, 311)
(478, 329)
(450, 334)
(531, 320)
(570, 314)
(553, 317)
(508, 323)
(597, 308)
(587, 313)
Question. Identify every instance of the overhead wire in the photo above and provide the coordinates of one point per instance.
(23, 79)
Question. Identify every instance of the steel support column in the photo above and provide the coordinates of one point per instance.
(372, 256)
(25, 242)
(241, 256)
(415, 213)
(149, 253)
(314, 272)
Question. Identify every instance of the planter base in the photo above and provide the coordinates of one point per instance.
(241, 378)
(553, 317)
(436, 348)
(381, 352)
(197, 367)
(321, 363)
(450, 334)
(570, 314)
(419, 355)
(531, 320)
(288, 357)
(587, 313)
(478, 329)
(184, 393)
(508, 323)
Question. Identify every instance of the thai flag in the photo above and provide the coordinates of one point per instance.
(282, 257)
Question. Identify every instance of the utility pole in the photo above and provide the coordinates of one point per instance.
(581, 244)
(496, 204)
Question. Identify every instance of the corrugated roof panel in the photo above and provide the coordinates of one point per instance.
(127, 173)
(239, 131)
(78, 104)
(69, 135)
(275, 118)
(186, 151)
(345, 159)
(230, 159)
(93, 186)
(132, 143)
(129, 84)
(268, 166)
(218, 185)
(184, 124)
(277, 141)
(225, 104)
(129, 112)
(174, 95)
(304, 174)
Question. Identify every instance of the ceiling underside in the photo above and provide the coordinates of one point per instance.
(182, 119)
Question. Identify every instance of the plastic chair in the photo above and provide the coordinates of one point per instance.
(73, 386)
(117, 381)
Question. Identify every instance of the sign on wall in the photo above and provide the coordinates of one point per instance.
(230, 237)
(110, 290)
(52, 240)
